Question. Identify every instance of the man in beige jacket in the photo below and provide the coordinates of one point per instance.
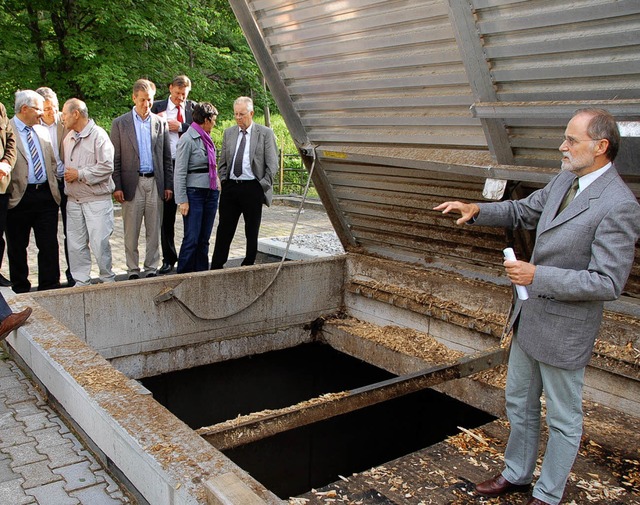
(88, 160)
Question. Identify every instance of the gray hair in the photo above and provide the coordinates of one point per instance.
(244, 100)
(49, 94)
(75, 104)
(27, 97)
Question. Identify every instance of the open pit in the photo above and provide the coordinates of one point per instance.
(342, 366)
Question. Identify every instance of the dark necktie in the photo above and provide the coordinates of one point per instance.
(179, 118)
(38, 172)
(571, 194)
(237, 164)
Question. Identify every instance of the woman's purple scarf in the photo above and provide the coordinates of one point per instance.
(211, 154)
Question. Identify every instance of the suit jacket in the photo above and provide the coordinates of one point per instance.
(126, 161)
(162, 105)
(8, 150)
(263, 153)
(583, 257)
(20, 172)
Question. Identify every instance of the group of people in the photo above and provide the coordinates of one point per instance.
(158, 158)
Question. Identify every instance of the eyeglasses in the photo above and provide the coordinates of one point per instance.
(572, 142)
(37, 109)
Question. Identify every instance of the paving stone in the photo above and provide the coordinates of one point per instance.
(53, 494)
(63, 428)
(9, 382)
(62, 455)
(77, 476)
(95, 495)
(48, 437)
(11, 493)
(14, 436)
(7, 420)
(36, 422)
(6, 369)
(95, 465)
(26, 408)
(6, 472)
(23, 454)
(37, 474)
(15, 395)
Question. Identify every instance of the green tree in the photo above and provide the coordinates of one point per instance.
(96, 49)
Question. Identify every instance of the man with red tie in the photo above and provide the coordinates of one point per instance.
(177, 110)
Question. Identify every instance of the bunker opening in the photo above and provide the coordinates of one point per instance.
(294, 461)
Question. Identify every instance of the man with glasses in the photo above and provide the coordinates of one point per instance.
(34, 197)
(248, 160)
(587, 223)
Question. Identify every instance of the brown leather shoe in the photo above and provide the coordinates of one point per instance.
(13, 322)
(498, 485)
(535, 501)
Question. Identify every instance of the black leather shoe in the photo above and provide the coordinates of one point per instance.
(498, 485)
(4, 282)
(13, 322)
(165, 268)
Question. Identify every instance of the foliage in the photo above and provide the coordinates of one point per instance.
(96, 49)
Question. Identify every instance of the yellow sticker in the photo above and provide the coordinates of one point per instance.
(335, 154)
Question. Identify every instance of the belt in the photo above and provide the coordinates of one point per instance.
(241, 181)
(146, 174)
(38, 187)
(198, 171)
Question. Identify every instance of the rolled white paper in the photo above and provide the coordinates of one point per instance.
(523, 294)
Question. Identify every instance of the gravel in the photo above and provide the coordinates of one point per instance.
(326, 242)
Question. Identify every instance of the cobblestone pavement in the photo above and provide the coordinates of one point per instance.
(41, 461)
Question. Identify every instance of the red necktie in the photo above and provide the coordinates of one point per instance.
(179, 118)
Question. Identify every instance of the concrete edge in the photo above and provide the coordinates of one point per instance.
(157, 485)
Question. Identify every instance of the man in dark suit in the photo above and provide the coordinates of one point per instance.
(34, 197)
(57, 132)
(143, 175)
(587, 223)
(177, 110)
(248, 161)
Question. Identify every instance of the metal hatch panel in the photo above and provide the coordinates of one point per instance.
(406, 103)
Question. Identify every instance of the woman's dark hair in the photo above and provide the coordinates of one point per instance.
(203, 111)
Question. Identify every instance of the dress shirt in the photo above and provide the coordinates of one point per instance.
(22, 131)
(586, 180)
(247, 173)
(53, 134)
(172, 113)
(143, 135)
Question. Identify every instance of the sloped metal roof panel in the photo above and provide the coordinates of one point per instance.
(406, 103)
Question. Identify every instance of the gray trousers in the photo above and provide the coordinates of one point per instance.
(148, 204)
(89, 227)
(526, 379)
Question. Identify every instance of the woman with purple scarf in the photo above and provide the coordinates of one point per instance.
(197, 188)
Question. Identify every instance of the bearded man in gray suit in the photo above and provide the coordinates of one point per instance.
(587, 223)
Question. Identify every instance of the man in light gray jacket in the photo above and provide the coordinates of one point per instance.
(88, 159)
(587, 223)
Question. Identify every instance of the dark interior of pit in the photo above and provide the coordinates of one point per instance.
(293, 462)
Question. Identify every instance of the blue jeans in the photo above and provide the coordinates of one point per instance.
(198, 224)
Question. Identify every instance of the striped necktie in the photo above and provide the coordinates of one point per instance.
(38, 172)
